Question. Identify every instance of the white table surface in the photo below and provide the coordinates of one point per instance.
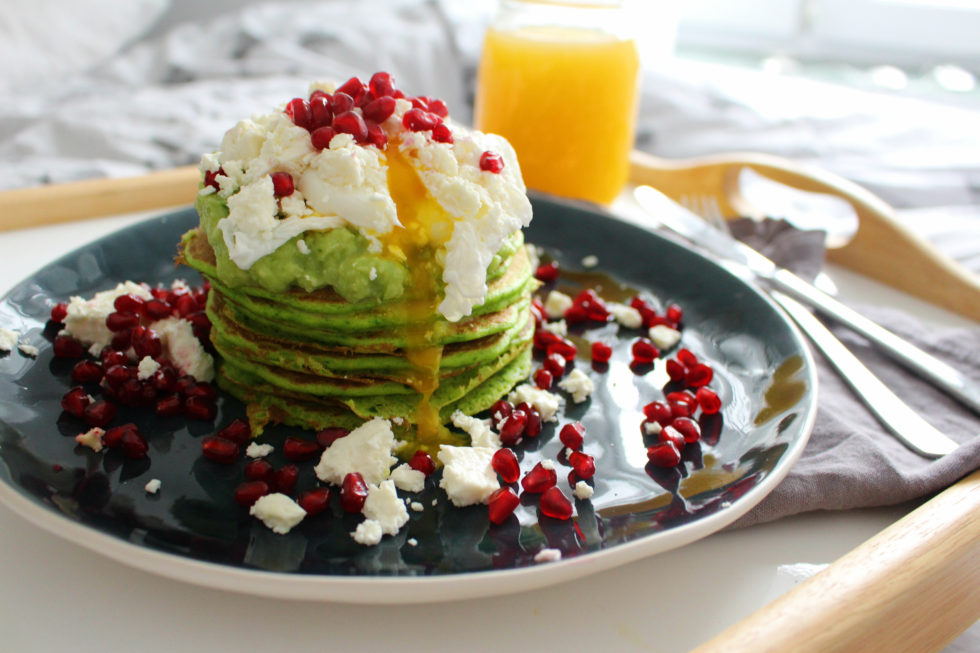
(58, 596)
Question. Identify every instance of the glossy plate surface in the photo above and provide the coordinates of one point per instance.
(192, 530)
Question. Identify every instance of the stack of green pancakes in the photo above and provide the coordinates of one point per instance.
(315, 359)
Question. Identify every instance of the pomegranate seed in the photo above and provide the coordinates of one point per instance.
(299, 450)
(200, 408)
(672, 435)
(539, 479)
(543, 379)
(284, 479)
(315, 501)
(146, 342)
(439, 108)
(534, 424)
(543, 338)
(282, 186)
(319, 93)
(699, 375)
(128, 394)
(379, 109)
(709, 401)
(170, 406)
(160, 293)
(687, 427)
(113, 437)
(329, 435)
(420, 102)
(249, 492)
(644, 351)
(75, 401)
(99, 413)
(67, 347)
(122, 341)
(419, 120)
(658, 411)
(422, 462)
(320, 112)
(491, 162)
(501, 408)
(157, 310)
(129, 304)
(576, 314)
(86, 372)
(237, 430)
(572, 435)
(601, 352)
(674, 313)
(565, 348)
(512, 427)
(583, 464)
(202, 390)
(59, 312)
(183, 383)
(441, 133)
(676, 370)
(687, 357)
(682, 397)
(110, 357)
(547, 272)
(133, 444)
(664, 454)
(353, 492)
(119, 321)
(116, 375)
(341, 103)
(353, 124)
(502, 504)
(352, 87)
(504, 462)
(164, 379)
(554, 504)
(299, 112)
(258, 470)
(598, 312)
(381, 85)
(219, 450)
(376, 136)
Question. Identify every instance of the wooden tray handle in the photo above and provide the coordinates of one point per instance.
(882, 248)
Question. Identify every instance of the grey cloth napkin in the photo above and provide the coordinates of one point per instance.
(851, 461)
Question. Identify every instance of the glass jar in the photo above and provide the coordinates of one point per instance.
(560, 81)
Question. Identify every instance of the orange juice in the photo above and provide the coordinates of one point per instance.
(565, 97)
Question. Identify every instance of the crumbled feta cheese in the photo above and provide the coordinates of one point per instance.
(408, 479)
(85, 318)
(467, 475)
(368, 532)
(183, 349)
(628, 316)
(481, 435)
(583, 491)
(412, 541)
(278, 512)
(384, 506)
(590, 261)
(556, 303)
(652, 428)
(256, 450)
(146, 368)
(578, 384)
(28, 350)
(8, 339)
(664, 337)
(302, 246)
(92, 438)
(152, 486)
(548, 463)
(547, 555)
(546, 403)
(559, 327)
(416, 506)
(367, 449)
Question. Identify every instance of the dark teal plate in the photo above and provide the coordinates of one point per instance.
(193, 530)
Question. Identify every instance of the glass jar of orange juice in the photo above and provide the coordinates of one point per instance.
(560, 80)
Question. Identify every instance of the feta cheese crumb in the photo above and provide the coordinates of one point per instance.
(467, 476)
(546, 403)
(664, 337)
(146, 368)
(628, 316)
(152, 486)
(559, 328)
(590, 261)
(481, 435)
(547, 555)
(416, 506)
(8, 339)
(28, 350)
(367, 449)
(556, 303)
(384, 506)
(412, 541)
(368, 532)
(256, 450)
(583, 491)
(278, 512)
(92, 438)
(652, 428)
(578, 384)
(548, 463)
(408, 479)
(302, 246)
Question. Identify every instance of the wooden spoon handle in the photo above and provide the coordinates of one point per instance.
(55, 203)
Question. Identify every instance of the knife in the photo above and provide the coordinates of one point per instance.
(689, 225)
